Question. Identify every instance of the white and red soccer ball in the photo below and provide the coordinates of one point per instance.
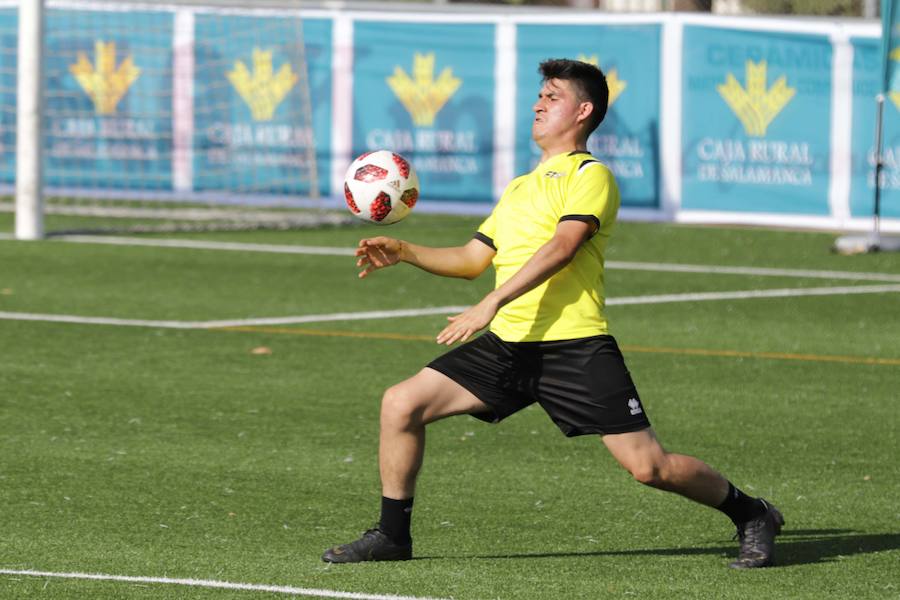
(381, 187)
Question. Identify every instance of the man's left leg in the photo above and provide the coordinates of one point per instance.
(756, 520)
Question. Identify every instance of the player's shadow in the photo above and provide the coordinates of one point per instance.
(793, 547)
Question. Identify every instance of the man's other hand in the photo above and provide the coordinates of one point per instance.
(377, 253)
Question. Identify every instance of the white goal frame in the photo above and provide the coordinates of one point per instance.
(29, 122)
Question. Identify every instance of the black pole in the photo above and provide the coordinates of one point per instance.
(879, 163)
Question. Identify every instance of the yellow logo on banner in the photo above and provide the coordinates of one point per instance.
(894, 95)
(616, 86)
(262, 90)
(756, 106)
(421, 94)
(103, 82)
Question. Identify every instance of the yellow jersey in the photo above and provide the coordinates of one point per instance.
(570, 304)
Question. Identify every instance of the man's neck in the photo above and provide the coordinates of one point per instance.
(548, 154)
(566, 148)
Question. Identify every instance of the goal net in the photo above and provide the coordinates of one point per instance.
(174, 117)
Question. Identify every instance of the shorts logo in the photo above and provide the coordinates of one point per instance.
(635, 406)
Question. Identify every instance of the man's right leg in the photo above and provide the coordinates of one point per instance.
(406, 409)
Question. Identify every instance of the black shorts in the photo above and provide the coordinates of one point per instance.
(582, 384)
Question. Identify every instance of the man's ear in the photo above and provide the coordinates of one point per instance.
(586, 109)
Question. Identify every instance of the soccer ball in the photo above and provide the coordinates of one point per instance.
(381, 187)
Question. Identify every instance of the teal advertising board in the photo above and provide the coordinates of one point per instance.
(628, 139)
(9, 23)
(108, 100)
(249, 115)
(756, 121)
(429, 95)
(866, 82)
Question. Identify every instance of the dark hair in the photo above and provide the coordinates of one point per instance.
(588, 80)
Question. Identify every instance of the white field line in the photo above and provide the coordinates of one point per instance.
(750, 294)
(343, 251)
(344, 316)
(755, 271)
(206, 583)
(203, 245)
(441, 310)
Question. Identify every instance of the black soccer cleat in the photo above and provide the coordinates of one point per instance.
(373, 545)
(757, 538)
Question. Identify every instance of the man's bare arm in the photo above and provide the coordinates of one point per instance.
(467, 261)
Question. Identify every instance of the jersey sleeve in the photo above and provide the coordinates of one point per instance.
(593, 195)
(487, 230)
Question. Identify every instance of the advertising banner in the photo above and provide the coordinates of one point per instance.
(108, 106)
(876, 69)
(866, 84)
(9, 24)
(756, 121)
(428, 94)
(254, 126)
(890, 42)
(628, 139)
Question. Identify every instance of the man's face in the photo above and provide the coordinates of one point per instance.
(558, 112)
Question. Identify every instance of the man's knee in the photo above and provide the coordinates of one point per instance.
(400, 407)
(648, 472)
(642, 456)
(651, 468)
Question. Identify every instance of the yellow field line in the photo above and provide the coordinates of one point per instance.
(858, 360)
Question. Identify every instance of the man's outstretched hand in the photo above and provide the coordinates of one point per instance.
(377, 253)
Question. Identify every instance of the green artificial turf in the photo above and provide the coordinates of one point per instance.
(181, 453)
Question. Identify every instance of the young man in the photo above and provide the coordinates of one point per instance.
(548, 340)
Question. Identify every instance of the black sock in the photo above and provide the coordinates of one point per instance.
(740, 507)
(395, 518)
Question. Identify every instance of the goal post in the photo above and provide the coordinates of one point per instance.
(139, 117)
(29, 119)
